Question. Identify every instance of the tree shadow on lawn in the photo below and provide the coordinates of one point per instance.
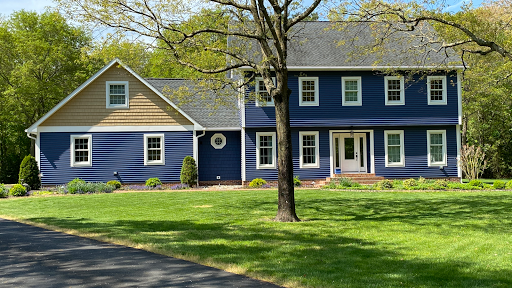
(324, 260)
(487, 213)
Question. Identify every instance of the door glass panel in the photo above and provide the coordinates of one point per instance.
(349, 149)
(337, 151)
(361, 152)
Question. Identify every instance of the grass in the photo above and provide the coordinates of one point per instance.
(347, 239)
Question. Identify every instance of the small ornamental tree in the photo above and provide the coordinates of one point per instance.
(29, 173)
(188, 171)
(472, 161)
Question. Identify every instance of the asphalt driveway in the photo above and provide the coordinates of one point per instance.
(34, 257)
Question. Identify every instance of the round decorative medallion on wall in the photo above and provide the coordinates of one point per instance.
(218, 141)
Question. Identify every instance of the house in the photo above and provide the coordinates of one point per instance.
(348, 115)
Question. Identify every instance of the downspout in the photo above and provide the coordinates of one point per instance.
(197, 160)
(33, 138)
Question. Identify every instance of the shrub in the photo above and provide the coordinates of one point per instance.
(476, 183)
(508, 185)
(188, 173)
(257, 183)
(344, 182)
(422, 180)
(498, 184)
(17, 190)
(384, 184)
(441, 183)
(114, 183)
(296, 181)
(153, 182)
(487, 186)
(472, 161)
(29, 173)
(410, 183)
(82, 187)
(3, 191)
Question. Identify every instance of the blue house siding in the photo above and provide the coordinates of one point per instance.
(373, 111)
(305, 173)
(416, 162)
(113, 151)
(223, 162)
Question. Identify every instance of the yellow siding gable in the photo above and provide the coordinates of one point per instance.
(88, 108)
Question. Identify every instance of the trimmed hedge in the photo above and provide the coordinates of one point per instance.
(17, 190)
(29, 173)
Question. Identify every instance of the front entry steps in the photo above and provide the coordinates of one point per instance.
(361, 178)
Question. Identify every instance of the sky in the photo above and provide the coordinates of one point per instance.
(8, 6)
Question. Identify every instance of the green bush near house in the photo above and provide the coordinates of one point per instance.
(188, 173)
(383, 184)
(296, 181)
(498, 184)
(29, 173)
(4, 192)
(508, 185)
(153, 182)
(114, 183)
(476, 183)
(17, 190)
(409, 183)
(257, 183)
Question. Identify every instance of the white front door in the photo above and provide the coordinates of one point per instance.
(349, 152)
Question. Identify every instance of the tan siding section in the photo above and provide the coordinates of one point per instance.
(88, 108)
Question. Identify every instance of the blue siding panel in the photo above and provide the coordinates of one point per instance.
(373, 112)
(121, 152)
(223, 162)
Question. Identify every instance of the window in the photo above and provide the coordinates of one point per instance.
(218, 141)
(265, 150)
(262, 96)
(394, 146)
(309, 156)
(308, 91)
(436, 86)
(436, 147)
(154, 149)
(394, 90)
(117, 94)
(81, 150)
(351, 91)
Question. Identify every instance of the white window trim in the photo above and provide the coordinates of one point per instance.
(162, 146)
(402, 90)
(317, 93)
(436, 102)
(215, 136)
(126, 96)
(266, 166)
(402, 148)
(257, 91)
(317, 152)
(359, 101)
(72, 150)
(444, 162)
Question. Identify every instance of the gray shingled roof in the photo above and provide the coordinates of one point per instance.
(204, 107)
(323, 44)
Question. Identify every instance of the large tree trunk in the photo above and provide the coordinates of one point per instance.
(286, 198)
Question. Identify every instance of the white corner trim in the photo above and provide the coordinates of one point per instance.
(38, 151)
(459, 97)
(317, 148)
(243, 155)
(162, 149)
(79, 129)
(331, 154)
(459, 170)
(34, 126)
(372, 154)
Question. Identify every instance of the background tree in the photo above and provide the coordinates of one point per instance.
(258, 30)
(41, 62)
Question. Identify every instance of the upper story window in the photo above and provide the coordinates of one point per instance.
(308, 91)
(81, 150)
(436, 90)
(265, 150)
(394, 148)
(117, 94)
(154, 149)
(395, 94)
(436, 145)
(262, 96)
(309, 149)
(351, 91)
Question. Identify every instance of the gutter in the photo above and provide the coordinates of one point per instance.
(197, 160)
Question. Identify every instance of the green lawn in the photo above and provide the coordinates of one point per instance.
(347, 239)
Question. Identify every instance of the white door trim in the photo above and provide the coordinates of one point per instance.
(371, 156)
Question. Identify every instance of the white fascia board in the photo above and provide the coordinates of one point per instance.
(34, 126)
(80, 129)
(360, 68)
(459, 96)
